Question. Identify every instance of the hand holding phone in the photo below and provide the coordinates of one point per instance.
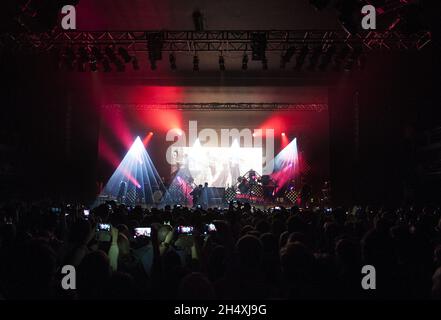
(103, 232)
(142, 232)
(185, 230)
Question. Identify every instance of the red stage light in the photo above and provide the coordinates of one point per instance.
(283, 134)
(147, 138)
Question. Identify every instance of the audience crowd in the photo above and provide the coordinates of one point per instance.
(252, 253)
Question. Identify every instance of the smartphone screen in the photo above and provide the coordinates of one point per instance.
(188, 230)
(142, 232)
(210, 228)
(103, 227)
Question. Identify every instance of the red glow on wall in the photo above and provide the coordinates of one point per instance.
(106, 152)
(276, 122)
(161, 120)
(116, 123)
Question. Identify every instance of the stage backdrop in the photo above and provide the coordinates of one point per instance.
(192, 139)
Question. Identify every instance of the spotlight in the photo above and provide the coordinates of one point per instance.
(258, 45)
(195, 63)
(172, 60)
(135, 63)
(340, 58)
(300, 59)
(221, 63)
(286, 58)
(124, 54)
(109, 52)
(314, 58)
(327, 58)
(106, 66)
(83, 59)
(283, 134)
(353, 57)
(93, 66)
(155, 42)
(198, 20)
(245, 62)
(151, 133)
(96, 52)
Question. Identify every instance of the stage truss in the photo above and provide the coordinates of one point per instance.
(217, 40)
(314, 107)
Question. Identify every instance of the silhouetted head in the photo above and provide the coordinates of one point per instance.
(249, 250)
(196, 286)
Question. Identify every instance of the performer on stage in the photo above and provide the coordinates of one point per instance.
(196, 194)
(205, 196)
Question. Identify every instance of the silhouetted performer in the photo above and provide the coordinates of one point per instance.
(196, 194)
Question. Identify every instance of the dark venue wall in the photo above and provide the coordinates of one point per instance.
(378, 123)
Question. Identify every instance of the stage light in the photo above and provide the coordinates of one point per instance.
(110, 54)
(221, 63)
(244, 61)
(286, 164)
(124, 54)
(300, 59)
(353, 57)
(264, 64)
(198, 20)
(138, 175)
(97, 54)
(286, 58)
(172, 60)
(155, 42)
(135, 63)
(106, 66)
(314, 58)
(283, 134)
(147, 138)
(195, 63)
(258, 45)
(340, 57)
(327, 58)
(93, 66)
(69, 58)
(83, 58)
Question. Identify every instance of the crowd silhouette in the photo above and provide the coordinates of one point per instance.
(251, 253)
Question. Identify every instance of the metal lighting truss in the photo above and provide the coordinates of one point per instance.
(224, 40)
(315, 107)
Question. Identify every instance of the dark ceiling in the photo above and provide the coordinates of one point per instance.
(221, 15)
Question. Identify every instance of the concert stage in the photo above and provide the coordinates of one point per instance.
(212, 153)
